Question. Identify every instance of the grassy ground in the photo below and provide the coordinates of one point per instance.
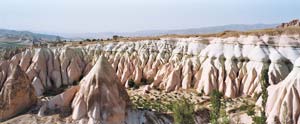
(7, 44)
(238, 109)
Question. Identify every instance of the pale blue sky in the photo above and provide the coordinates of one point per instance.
(79, 16)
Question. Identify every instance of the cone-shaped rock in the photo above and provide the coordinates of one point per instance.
(101, 97)
(17, 94)
(284, 99)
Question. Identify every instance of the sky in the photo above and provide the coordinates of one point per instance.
(87, 16)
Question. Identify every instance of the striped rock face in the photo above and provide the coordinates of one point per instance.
(17, 94)
(232, 65)
(101, 96)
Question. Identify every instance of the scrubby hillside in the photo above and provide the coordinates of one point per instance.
(13, 38)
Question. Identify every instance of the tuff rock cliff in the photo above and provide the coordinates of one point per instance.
(232, 65)
(17, 94)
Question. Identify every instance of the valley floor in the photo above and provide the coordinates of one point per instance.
(155, 100)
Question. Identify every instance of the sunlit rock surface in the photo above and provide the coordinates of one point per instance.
(101, 97)
(284, 99)
(17, 94)
(232, 65)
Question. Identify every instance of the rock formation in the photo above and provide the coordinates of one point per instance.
(147, 117)
(17, 94)
(59, 102)
(101, 97)
(284, 98)
(232, 65)
(293, 23)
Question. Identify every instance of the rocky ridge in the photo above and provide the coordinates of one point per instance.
(17, 94)
(232, 65)
(293, 23)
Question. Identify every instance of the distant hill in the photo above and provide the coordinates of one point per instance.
(203, 30)
(216, 29)
(13, 37)
(293, 23)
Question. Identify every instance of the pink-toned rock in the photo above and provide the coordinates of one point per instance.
(56, 74)
(25, 60)
(56, 78)
(17, 94)
(74, 72)
(59, 102)
(137, 75)
(173, 81)
(147, 89)
(284, 100)
(162, 75)
(87, 69)
(15, 60)
(127, 71)
(187, 75)
(208, 81)
(38, 87)
(38, 67)
(4, 67)
(101, 97)
(67, 57)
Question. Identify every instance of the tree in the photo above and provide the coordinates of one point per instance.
(115, 37)
(264, 85)
(216, 106)
(264, 82)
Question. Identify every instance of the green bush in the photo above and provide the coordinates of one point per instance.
(183, 112)
(224, 117)
(264, 93)
(132, 84)
(250, 112)
(201, 93)
(216, 106)
(148, 104)
(145, 81)
(258, 120)
(264, 82)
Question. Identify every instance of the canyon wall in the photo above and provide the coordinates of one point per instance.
(231, 65)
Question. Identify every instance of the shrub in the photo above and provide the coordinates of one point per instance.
(183, 112)
(250, 112)
(264, 85)
(152, 105)
(145, 81)
(201, 93)
(132, 84)
(264, 81)
(258, 120)
(115, 37)
(216, 106)
(224, 117)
